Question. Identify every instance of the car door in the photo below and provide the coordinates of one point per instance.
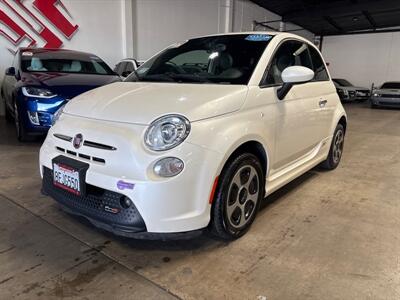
(325, 91)
(294, 127)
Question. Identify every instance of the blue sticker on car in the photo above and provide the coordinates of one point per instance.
(123, 185)
(258, 37)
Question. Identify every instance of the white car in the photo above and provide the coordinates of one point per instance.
(197, 137)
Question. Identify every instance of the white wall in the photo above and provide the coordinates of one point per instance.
(365, 58)
(245, 12)
(160, 23)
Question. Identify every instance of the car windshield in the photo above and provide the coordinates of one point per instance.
(391, 85)
(342, 82)
(227, 59)
(63, 62)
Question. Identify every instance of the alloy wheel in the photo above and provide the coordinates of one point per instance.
(338, 146)
(242, 196)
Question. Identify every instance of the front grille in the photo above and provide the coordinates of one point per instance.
(85, 143)
(63, 137)
(95, 204)
(390, 96)
(81, 155)
(98, 145)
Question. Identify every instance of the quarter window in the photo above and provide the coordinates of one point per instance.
(290, 53)
(318, 65)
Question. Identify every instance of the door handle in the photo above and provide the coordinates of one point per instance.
(322, 103)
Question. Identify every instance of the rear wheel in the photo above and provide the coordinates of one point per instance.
(336, 150)
(239, 193)
(374, 105)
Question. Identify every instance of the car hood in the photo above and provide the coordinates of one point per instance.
(143, 102)
(387, 91)
(66, 84)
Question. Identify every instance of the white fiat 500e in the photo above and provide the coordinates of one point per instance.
(196, 137)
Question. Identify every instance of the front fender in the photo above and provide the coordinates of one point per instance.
(225, 134)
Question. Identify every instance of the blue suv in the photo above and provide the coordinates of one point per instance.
(41, 81)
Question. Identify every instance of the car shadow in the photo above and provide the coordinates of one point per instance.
(9, 136)
(204, 241)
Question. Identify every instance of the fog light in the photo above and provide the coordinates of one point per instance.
(168, 167)
(125, 202)
(34, 117)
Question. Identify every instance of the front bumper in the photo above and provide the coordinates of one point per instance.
(37, 114)
(166, 205)
(385, 101)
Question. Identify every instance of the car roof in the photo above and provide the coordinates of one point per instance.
(282, 34)
(61, 51)
(391, 82)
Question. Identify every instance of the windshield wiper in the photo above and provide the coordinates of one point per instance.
(187, 77)
(157, 77)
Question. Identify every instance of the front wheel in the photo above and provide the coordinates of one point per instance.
(373, 105)
(336, 150)
(19, 126)
(239, 193)
(8, 116)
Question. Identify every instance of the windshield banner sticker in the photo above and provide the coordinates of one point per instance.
(258, 37)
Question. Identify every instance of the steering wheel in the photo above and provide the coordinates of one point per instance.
(174, 68)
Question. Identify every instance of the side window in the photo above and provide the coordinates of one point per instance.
(319, 67)
(290, 53)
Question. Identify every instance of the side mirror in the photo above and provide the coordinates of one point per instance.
(10, 71)
(126, 73)
(294, 75)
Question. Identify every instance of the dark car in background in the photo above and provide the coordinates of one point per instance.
(388, 95)
(348, 92)
(41, 81)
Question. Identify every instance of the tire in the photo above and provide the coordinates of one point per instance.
(7, 114)
(373, 106)
(238, 196)
(336, 149)
(22, 135)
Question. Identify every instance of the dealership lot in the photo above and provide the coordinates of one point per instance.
(325, 235)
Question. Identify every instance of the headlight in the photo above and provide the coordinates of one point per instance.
(376, 95)
(30, 91)
(57, 115)
(167, 132)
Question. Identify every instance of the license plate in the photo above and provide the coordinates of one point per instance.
(66, 178)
